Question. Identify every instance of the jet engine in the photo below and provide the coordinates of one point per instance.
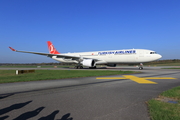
(88, 62)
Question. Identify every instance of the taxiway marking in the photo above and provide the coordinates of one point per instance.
(139, 80)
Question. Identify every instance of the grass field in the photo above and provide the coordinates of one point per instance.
(170, 68)
(35, 66)
(173, 93)
(161, 109)
(7, 76)
(72, 66)
(168, 64)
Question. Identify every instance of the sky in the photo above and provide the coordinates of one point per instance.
(88, 25)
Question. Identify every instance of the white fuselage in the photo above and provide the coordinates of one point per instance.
(91, 59)
(114, 56)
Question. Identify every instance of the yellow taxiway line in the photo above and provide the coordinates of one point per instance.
(139, 80)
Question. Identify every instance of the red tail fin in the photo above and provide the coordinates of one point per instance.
(51, 48)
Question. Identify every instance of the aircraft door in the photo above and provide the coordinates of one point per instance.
(141, 53)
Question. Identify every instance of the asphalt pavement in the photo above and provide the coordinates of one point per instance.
(85, 98)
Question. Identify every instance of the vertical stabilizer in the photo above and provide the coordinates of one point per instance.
(52, 49)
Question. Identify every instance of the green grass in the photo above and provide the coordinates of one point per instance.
(170, 68)
(33, 66)
(164, 111)
(168, 64)
(160, 110)
(8, 76)
(172, 93)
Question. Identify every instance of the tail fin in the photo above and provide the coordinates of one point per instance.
(52, 49)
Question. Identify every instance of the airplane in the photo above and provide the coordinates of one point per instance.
(109, 58)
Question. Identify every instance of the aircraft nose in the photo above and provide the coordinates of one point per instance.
(159, 56)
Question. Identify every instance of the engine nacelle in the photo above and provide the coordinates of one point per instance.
(111, 65)
(88, 62)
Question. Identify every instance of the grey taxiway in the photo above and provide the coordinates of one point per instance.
(85, 98)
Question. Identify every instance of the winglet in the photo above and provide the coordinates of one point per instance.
(52, 49)
(12, 49)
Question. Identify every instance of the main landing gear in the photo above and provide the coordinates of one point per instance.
(92, 67)
(81, 67)
(140, 66)
(78, 67)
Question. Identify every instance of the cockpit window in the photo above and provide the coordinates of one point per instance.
(153, 53)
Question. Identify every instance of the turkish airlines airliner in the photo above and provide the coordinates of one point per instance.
(109, 58)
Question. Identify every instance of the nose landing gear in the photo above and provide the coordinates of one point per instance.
(140, 66)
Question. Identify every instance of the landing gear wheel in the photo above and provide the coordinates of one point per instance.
(92, 67)
(78, 67)
(140, 68)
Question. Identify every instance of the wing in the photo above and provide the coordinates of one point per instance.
(46, 54)
(50, 55)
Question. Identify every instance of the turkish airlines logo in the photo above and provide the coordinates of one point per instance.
(51, 49)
